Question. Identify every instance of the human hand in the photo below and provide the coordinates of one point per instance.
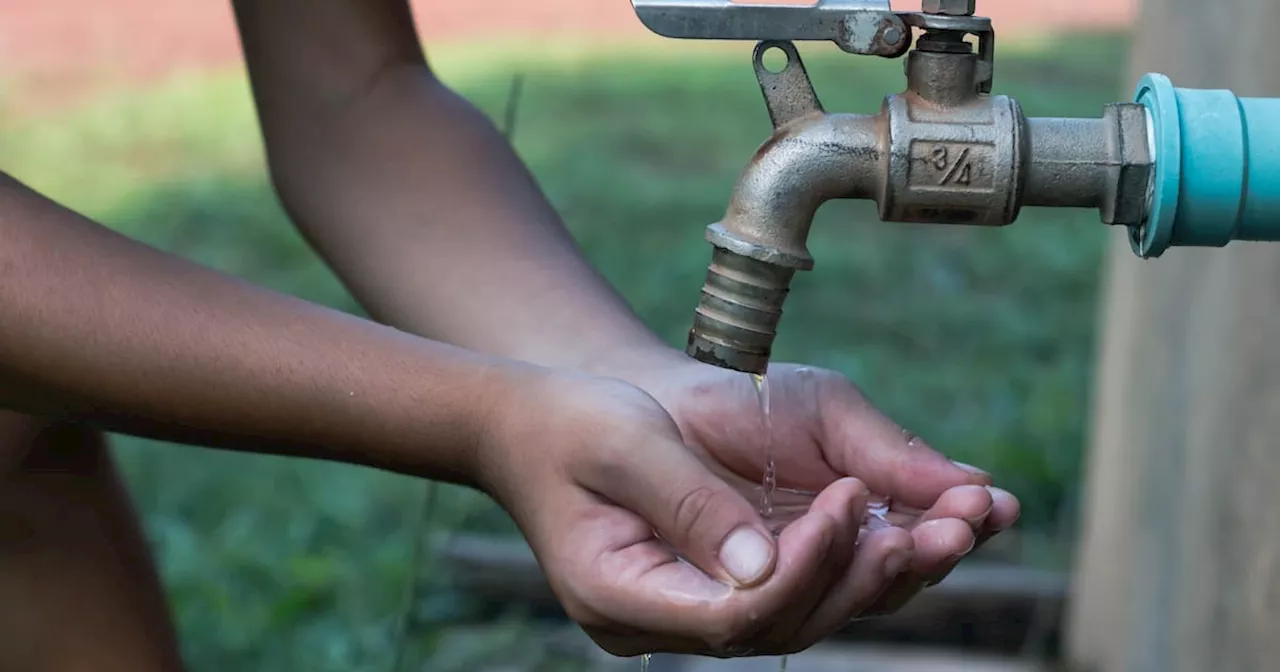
(652, 546)
(823, 430)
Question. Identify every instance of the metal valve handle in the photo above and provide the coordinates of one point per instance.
(867, 27)
(864, 27)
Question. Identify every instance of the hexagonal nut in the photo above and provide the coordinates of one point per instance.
(1129, 179)
(950, 7)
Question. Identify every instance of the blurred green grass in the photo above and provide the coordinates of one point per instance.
(979, 340)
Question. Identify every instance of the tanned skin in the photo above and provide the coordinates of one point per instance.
(499, 359)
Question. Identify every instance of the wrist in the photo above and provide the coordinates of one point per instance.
(510, 410)
(435, 415)
(637, 362)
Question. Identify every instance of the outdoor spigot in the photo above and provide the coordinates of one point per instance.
(1175, 167)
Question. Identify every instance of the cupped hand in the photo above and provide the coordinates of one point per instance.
(821, 430)
(653, 545)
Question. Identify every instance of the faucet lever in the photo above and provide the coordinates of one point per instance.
(788, 93)
(866, 27)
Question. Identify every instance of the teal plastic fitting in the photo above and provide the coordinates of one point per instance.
(1217, 168)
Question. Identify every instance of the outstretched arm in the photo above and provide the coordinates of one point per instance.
(414, 198)
(98, 328)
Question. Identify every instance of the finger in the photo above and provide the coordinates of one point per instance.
(882, 556)
(939, 546)
(971, 503)
(845, 502)
(740, 620)
(1005, 510)
(988, 511)
(705, 520)
(899, 595)
(804, 549)
(616, 579)
(655, 605)
(861, 441)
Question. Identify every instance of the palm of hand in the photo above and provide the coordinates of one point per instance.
(742, 431)
(821, 429)
(634, 593)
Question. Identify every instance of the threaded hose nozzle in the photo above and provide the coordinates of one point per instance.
(737, 317)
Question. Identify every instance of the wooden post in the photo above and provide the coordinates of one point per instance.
(1179, 565)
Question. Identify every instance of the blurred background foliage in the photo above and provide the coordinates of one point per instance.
(979, 340)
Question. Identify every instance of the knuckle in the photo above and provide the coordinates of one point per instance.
(605, 468)
(691, 510)
(838, 383)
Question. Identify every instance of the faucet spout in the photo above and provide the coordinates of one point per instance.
(805, 164)
(762, 240)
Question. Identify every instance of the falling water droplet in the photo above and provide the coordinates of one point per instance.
(769, 485)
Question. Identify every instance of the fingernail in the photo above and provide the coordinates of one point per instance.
(961, 556)
(746, 555)
(999, 495)
(896, 563)
(977, 521)
(971, 469)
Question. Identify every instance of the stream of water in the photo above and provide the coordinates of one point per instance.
(769, 484)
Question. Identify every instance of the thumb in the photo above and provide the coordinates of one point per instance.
(706, 521)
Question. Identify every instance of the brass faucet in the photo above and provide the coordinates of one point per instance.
(944, 151)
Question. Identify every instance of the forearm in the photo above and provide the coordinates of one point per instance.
(99, 329)
(423, 209)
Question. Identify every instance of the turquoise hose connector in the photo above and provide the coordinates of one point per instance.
(1217, 168)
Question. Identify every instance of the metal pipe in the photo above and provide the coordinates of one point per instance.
(1070, 162)
(762, 240)
(805, 164)
(953, 158)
